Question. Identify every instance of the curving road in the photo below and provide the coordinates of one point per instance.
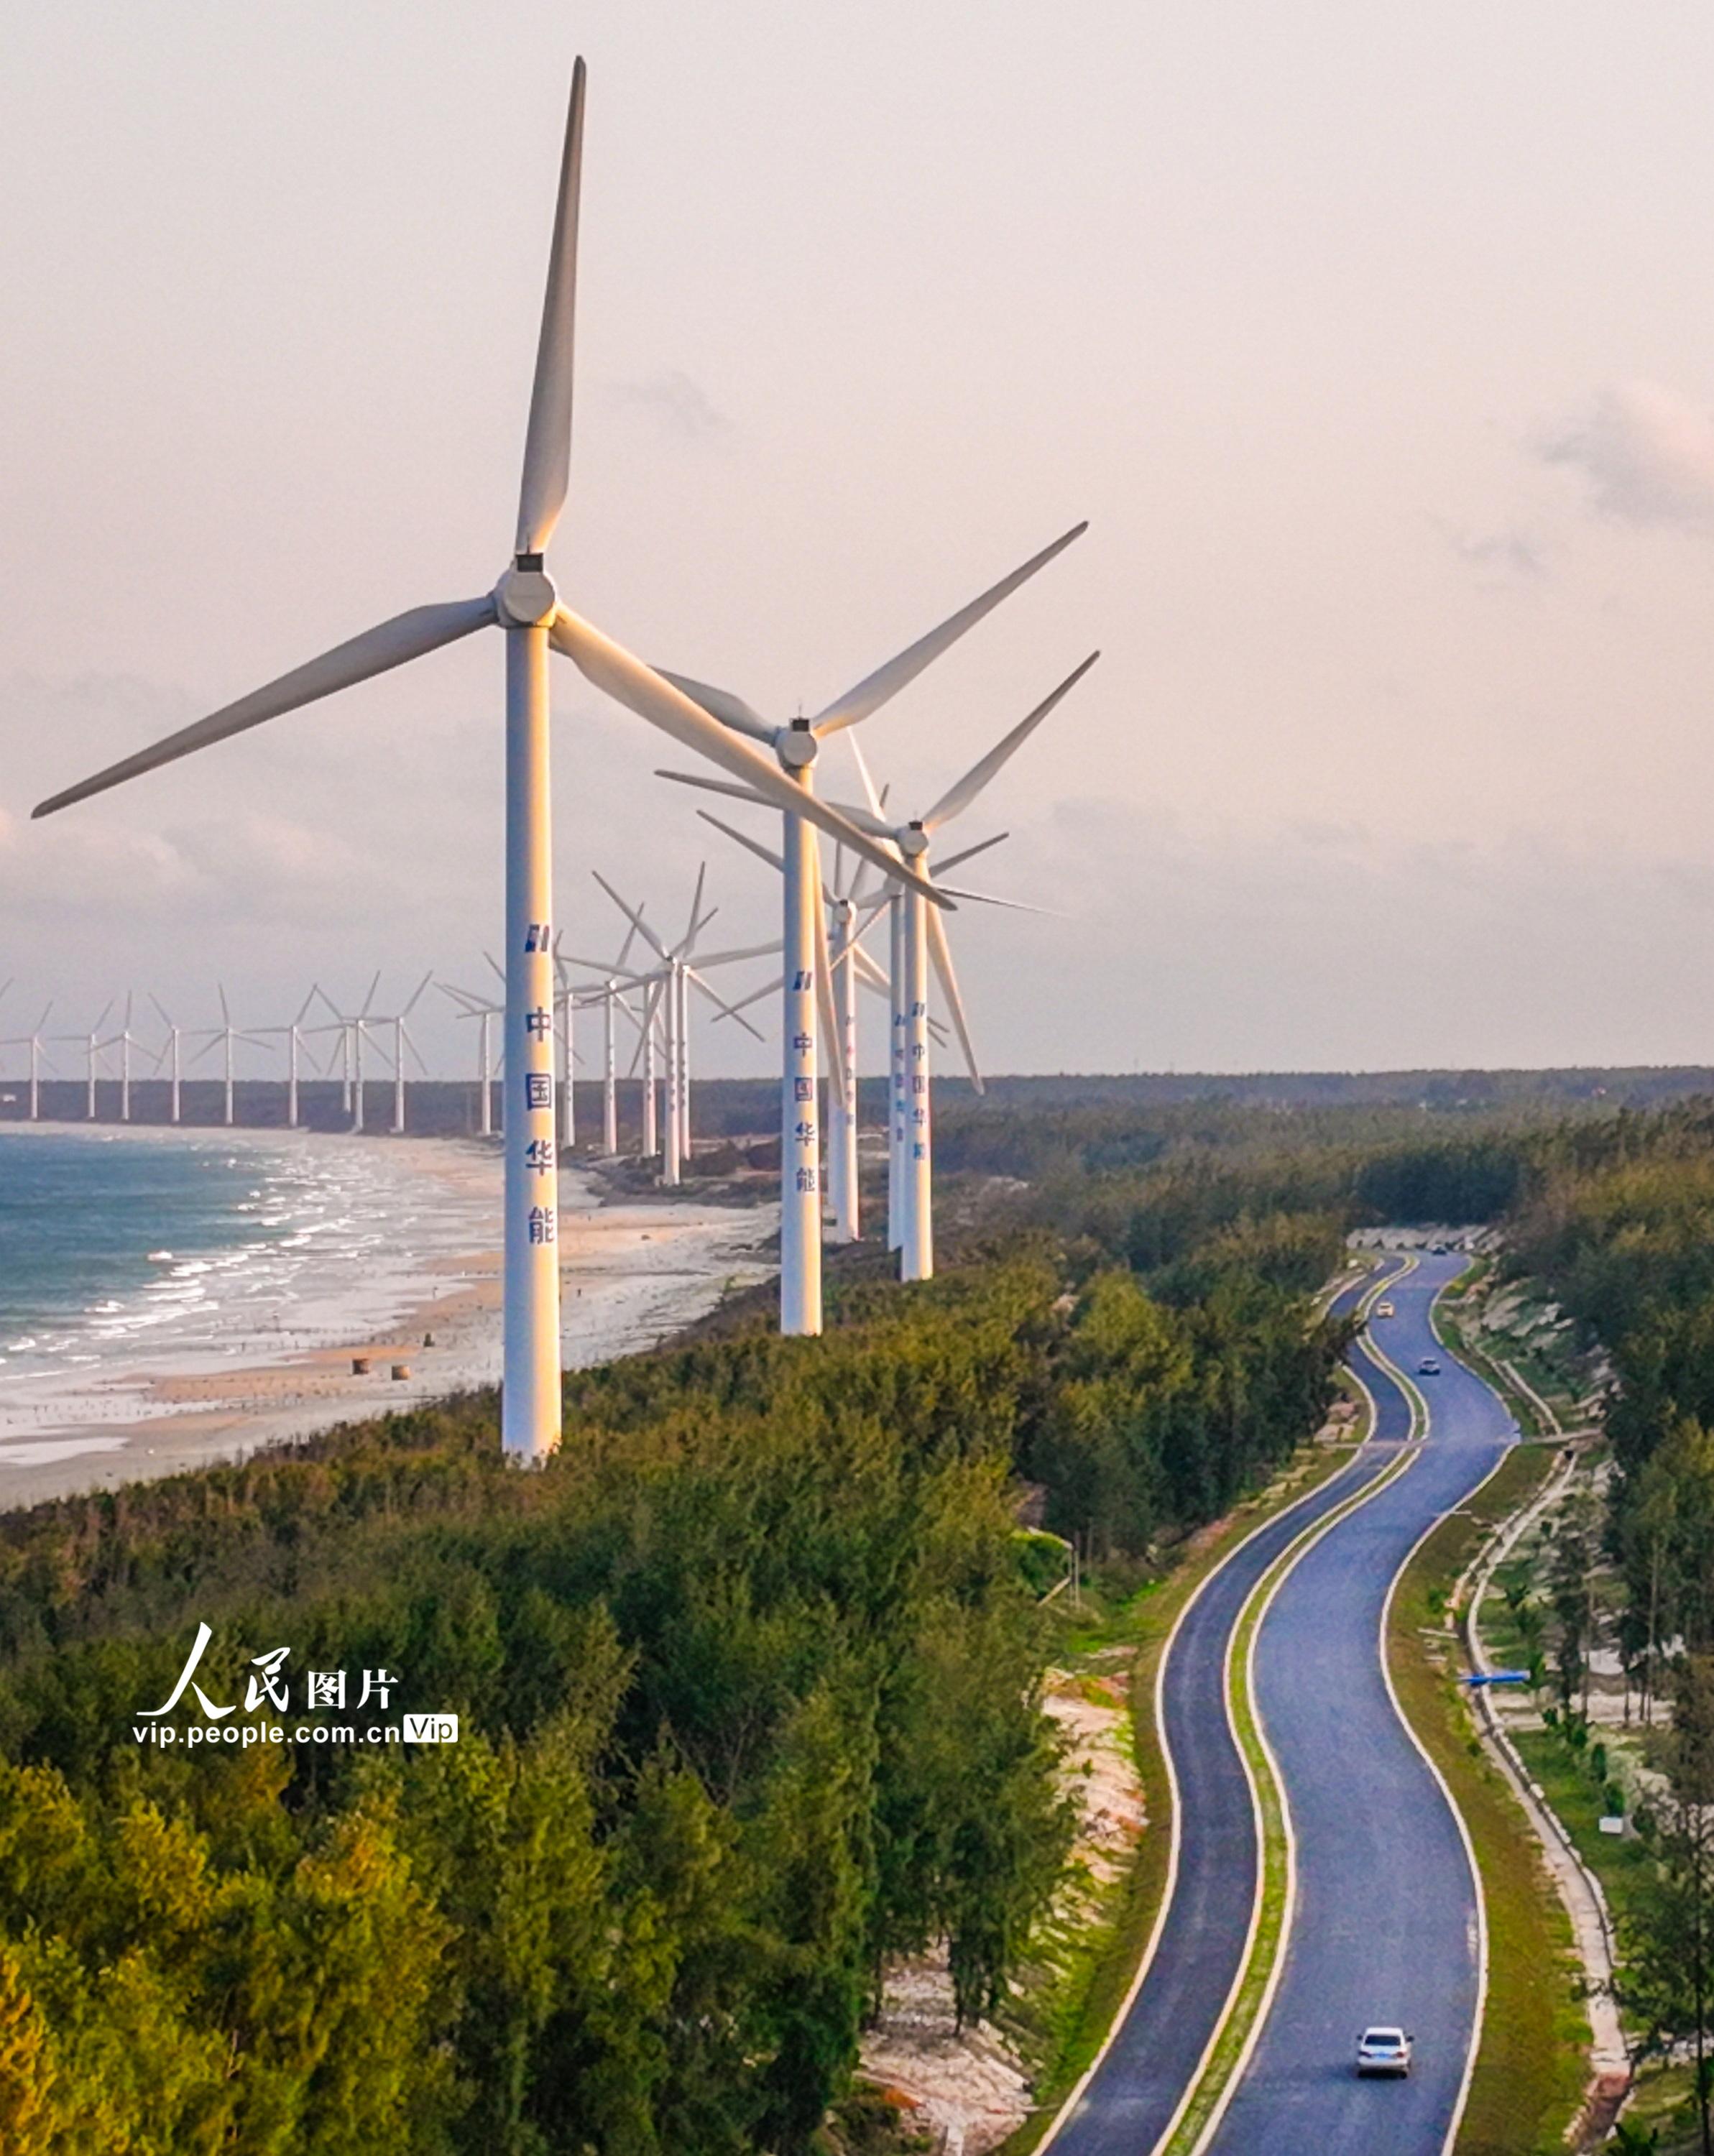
(1131, 2098)
(1385, 1925)
(1387, 1920)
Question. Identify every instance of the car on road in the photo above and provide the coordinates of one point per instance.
(1383, 1309)
(1383, 2050)
(1427, 1367)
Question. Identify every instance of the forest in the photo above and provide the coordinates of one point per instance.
(748, 1687)
(748, 1678)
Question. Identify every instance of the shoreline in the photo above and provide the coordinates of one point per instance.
(631, 1274)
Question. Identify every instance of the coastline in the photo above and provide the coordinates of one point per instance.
(631, 1274)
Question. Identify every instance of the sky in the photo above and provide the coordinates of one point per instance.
(1376, 345)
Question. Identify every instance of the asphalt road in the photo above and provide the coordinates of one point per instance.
(1386, 1922)
(1134, 2091)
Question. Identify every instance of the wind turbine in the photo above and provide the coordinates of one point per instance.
(403, 1045)
(224, 1036)
(33, 1040)
(526, 606)
(124, 1041)
(351, 1027)
(293, 1035)
(671, 982)
(170, 1047)
(484, 1012)
(90, 1044)
(808, 994)
(920, 942)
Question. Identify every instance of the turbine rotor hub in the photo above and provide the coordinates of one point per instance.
(913, 842)
(525, 597)
(797, 746)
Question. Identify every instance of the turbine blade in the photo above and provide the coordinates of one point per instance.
(721, 704)
(876, 826)
(364, 1011)
(767, 989)
(421, 985)
(958, 797)
(391, 643)
(630, 682)
(886, 681)
(159, 1006)
(940, 953)
(870, 971)
(750, 845)
(695, 925)
(726, 1009)
(1011, 904)
(736, 958)
(824, 984)
(716, 786)
(969, 853)
(547, 440)
(635, 919)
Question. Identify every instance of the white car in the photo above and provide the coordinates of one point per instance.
(1383, 2052)
(1427, 1367)
(1383, 1309)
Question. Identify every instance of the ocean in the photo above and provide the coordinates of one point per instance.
(123, 1253)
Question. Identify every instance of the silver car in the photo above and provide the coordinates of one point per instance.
(1383, 2052)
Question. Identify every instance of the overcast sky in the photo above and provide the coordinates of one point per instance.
(1377, 344)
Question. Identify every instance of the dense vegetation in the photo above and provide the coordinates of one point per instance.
(748, 1680)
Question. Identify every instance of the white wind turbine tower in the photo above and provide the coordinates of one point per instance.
(90, 1044)
(851, 914)
(225, 1036)
(525, 605)
(403, 1045)
(33, 1041)
(292, 1036)
(172, 1052)
(351, 1027)
(471, 1005)
(807, 993)
(920, 942)
(845, 960)
(124, 1041)
(565, 1009)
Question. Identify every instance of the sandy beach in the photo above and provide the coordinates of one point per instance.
(429, 1306)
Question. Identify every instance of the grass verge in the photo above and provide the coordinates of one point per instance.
(1529, 2075)
(1446, 1315)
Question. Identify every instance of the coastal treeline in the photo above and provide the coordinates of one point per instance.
(748, 1681)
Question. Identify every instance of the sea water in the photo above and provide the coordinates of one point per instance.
(128, 1252)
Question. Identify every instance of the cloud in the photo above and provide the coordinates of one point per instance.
(1509, 553)
(678, 404)
(1647, 453)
